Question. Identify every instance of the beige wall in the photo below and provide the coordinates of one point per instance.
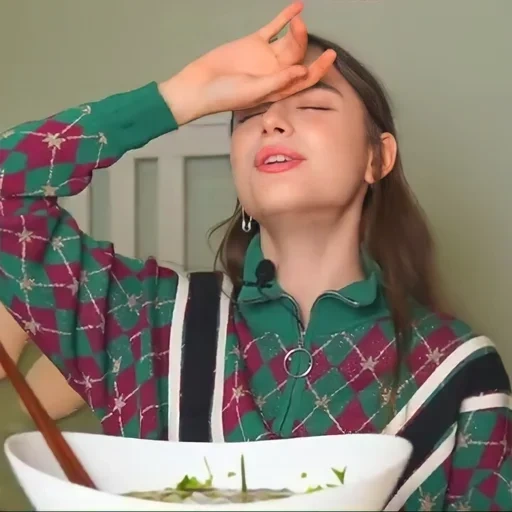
(446, 64)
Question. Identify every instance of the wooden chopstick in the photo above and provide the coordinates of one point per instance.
(68, 461)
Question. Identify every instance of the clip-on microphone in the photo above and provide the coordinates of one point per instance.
(265, 274)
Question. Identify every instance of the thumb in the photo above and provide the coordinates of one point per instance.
(270, 84)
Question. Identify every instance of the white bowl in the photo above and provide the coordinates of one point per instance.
(373, 463)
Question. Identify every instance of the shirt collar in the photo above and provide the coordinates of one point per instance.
(359, 294)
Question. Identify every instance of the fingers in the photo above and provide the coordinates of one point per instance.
(320, 67)
(267, 85)
(291, 48)
(280, 21)
(295, 41)
(316, 71)
(299, 32)
(296, 37)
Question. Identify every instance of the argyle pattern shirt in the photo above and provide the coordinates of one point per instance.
(107, 321)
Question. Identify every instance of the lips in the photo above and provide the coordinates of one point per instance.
(272, 159)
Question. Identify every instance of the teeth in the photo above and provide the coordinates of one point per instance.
(277, 158)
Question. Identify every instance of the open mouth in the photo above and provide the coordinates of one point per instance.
(275, 159)
(279, 165)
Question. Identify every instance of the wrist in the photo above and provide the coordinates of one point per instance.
(179, 93)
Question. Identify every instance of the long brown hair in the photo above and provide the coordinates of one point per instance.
(394, 229)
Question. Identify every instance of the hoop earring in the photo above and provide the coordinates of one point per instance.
(246, 222)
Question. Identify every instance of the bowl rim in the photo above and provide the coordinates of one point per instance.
(9, 440)
(18, 437)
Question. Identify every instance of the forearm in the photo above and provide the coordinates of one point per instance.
(57, 156)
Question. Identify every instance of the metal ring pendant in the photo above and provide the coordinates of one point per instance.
(287, 358)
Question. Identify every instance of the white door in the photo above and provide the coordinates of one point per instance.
(210, 198)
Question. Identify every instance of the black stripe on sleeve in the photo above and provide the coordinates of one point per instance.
(199, 352)
(483, 375)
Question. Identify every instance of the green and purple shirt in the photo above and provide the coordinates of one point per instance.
(114, 327)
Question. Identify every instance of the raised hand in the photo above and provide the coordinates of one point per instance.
(246, 72)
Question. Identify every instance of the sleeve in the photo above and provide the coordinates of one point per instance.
(74, 296)
(480, 477)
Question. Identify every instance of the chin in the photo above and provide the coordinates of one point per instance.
(275, 205)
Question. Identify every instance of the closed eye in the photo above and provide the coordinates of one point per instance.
(243, 119)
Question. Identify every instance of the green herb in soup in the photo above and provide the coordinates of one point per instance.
(190, 490)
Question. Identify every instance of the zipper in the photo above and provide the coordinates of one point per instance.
(302, 328)
(300, 344)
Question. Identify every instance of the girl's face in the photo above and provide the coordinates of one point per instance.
(308, 152)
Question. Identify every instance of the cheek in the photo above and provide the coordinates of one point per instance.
(340, 145)
(338, 161)
(240, 163)
(235, 149)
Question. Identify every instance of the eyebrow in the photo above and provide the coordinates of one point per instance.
(325, 86)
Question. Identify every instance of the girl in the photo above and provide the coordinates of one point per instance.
(326, 321)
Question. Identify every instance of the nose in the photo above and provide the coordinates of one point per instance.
(276, 121)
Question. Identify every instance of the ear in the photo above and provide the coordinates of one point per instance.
(388, 150)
